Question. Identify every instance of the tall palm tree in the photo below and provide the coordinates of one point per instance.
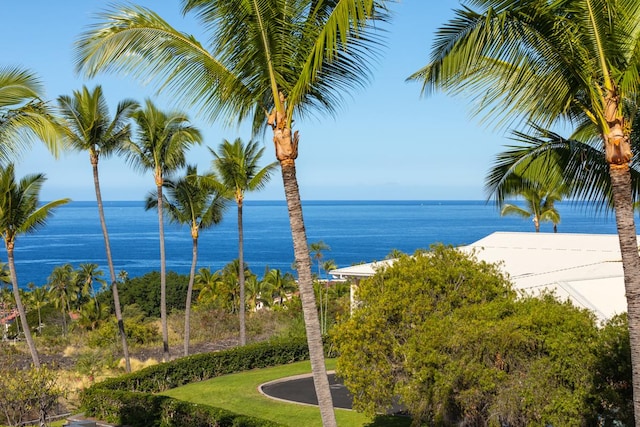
(88, 127)
(238, 166)
(160, 146)
(316, 249)
(195, 201)
(39, 300)
(276, 59)
(23, 115)
(548, 62)
(20, 213)
(63, 290)
(88, 275)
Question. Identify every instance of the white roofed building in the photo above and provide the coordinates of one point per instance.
(584, 268)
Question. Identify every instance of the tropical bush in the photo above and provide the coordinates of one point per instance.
(28, 394)
(446, 335)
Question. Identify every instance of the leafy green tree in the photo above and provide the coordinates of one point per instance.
(445, 334)
(612, 388)
(238, 166)
(161, 143)
(20, 213)
(29, 393)
(23, 115)
(192, 200)
(88, 127)
(516, 53)
(144, 292)
(270, 62)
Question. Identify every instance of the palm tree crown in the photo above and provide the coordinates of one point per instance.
(551, 62)
(23, 115)
(268, 59)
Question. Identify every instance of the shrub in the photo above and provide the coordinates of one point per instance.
(128, 399)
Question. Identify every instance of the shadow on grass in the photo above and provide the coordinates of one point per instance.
(389, 421)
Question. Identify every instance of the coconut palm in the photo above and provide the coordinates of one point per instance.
(193, 200)
(38, 299)
(316, 249)
(209, 286)
(88, 275)
(276, 60)
(63, 290)
(238, 166)
(88, 127)
(552, 62)
(160, 146)
(21, 212)
(257, 293)
(23, 115)
(282, 285)
(539, 200)
(230, 274)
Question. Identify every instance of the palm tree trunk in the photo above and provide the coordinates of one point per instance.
(305, 285)
(621, 187)
(187, 309)
(163, 279)
(21, 311)
(243, 328)
(112, 272)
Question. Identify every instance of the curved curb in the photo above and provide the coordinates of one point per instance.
(291, 378)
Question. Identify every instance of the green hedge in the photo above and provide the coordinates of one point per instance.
(128, 399)
(152, 410)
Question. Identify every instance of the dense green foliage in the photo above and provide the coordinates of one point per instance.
(446, 335)
(145, 292)
(128, 399)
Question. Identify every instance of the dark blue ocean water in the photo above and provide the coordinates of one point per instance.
(356, 231)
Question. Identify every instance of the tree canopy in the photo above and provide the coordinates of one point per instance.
(447, 335)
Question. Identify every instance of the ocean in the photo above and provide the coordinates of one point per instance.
(355, 231)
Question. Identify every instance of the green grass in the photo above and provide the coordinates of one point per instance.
(239, 393)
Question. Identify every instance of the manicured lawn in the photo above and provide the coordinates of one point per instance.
(239, 393)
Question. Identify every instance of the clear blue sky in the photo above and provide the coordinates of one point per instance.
(387, 143)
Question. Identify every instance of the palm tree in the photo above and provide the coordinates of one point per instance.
(539, 199)
(160, 146)
(63, 290)
(281, 284)
(277, 59)
(257, 293)
(194, 201)
(88, 127)
(238, 166)
(39, 300)
(231, 283)
(23, 115)
(88, 275)
(21, 212)
(316, 249)
(547, 62)
(209, 285)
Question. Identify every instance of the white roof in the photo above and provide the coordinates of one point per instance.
(584, 268)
